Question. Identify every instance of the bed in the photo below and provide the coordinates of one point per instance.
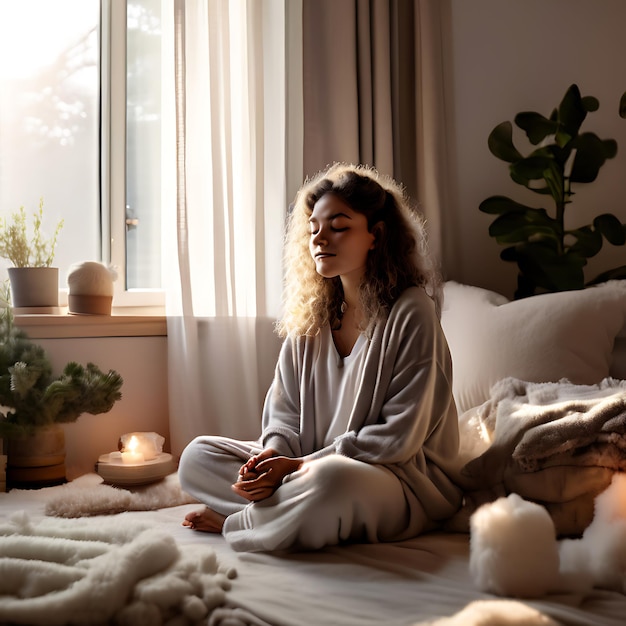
(573, 342)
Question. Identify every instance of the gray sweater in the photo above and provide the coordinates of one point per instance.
(404, 416)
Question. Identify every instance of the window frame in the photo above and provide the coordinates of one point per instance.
(113, 27)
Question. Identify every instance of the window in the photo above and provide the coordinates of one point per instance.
(49, 126)
(80, 127)
(143, 144)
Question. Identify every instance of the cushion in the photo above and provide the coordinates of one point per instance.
(567, 491)
(543, 338)
(618, 364)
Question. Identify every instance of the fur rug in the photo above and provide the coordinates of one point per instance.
(88, 495)
(104, 572)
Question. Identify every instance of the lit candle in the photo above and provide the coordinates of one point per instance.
(130, 454)
(146, 446)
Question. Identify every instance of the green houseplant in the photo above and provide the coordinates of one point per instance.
(34, 281)
(34, 402)
(31, 397)
(549, 255)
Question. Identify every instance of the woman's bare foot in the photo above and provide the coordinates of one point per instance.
(207, 521)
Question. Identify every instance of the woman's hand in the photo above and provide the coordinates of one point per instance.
(248, 470)
(264, 476)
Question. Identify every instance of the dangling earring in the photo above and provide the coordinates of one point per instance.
(343, 307)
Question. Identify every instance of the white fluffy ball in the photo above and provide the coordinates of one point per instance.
(513, 548)
(90, 278)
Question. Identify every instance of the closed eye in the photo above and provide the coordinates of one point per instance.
(335, 230)
(339, 217)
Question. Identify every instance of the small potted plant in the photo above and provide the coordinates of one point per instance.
(34, 403)
(34, 282)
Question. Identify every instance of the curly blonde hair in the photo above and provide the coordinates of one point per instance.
(399, 260)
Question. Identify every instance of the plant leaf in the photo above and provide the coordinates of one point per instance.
(612, 229)
(496, 205)
(572, 113)
(530, 184)
(509, 254)
(540, 166)
(536, 126)
(622, 105)
(500, 143)
(588, 242)
(521, 226)
(532, 167)
(549, 270)
(617, 273)
(590, 103)
(591, 154)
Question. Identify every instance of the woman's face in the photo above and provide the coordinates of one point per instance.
(339, 239)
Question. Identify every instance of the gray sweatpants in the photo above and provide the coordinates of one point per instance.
(329, 500)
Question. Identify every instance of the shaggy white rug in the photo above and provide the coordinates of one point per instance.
(88, 495)
(105, 571)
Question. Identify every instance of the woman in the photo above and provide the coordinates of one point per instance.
(360, 430)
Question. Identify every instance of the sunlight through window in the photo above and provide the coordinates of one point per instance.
(49, 119)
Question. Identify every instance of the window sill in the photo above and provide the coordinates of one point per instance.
(59, 324)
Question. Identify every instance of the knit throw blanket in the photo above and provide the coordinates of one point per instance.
(536, 425)
(90, 571)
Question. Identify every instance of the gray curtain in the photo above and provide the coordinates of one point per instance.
(374, 93)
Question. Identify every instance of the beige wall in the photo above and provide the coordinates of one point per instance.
(506, 56)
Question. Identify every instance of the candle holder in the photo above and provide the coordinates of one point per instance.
(140, 461)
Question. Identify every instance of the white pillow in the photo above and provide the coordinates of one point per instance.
(618, 365)
(543, 338)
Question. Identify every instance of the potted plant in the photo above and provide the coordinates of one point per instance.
(34, 403)
(549, 256)
(34, 282)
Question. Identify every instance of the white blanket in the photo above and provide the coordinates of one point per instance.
(99, 571)
(531, 423)
(554, 443)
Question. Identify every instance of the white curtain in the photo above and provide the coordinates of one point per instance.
(223, 230)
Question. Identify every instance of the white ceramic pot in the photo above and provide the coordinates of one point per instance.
(34, 286)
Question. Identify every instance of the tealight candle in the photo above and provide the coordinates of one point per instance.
(149, 444)
(132, 458)
(140, 461)
(130, 454)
